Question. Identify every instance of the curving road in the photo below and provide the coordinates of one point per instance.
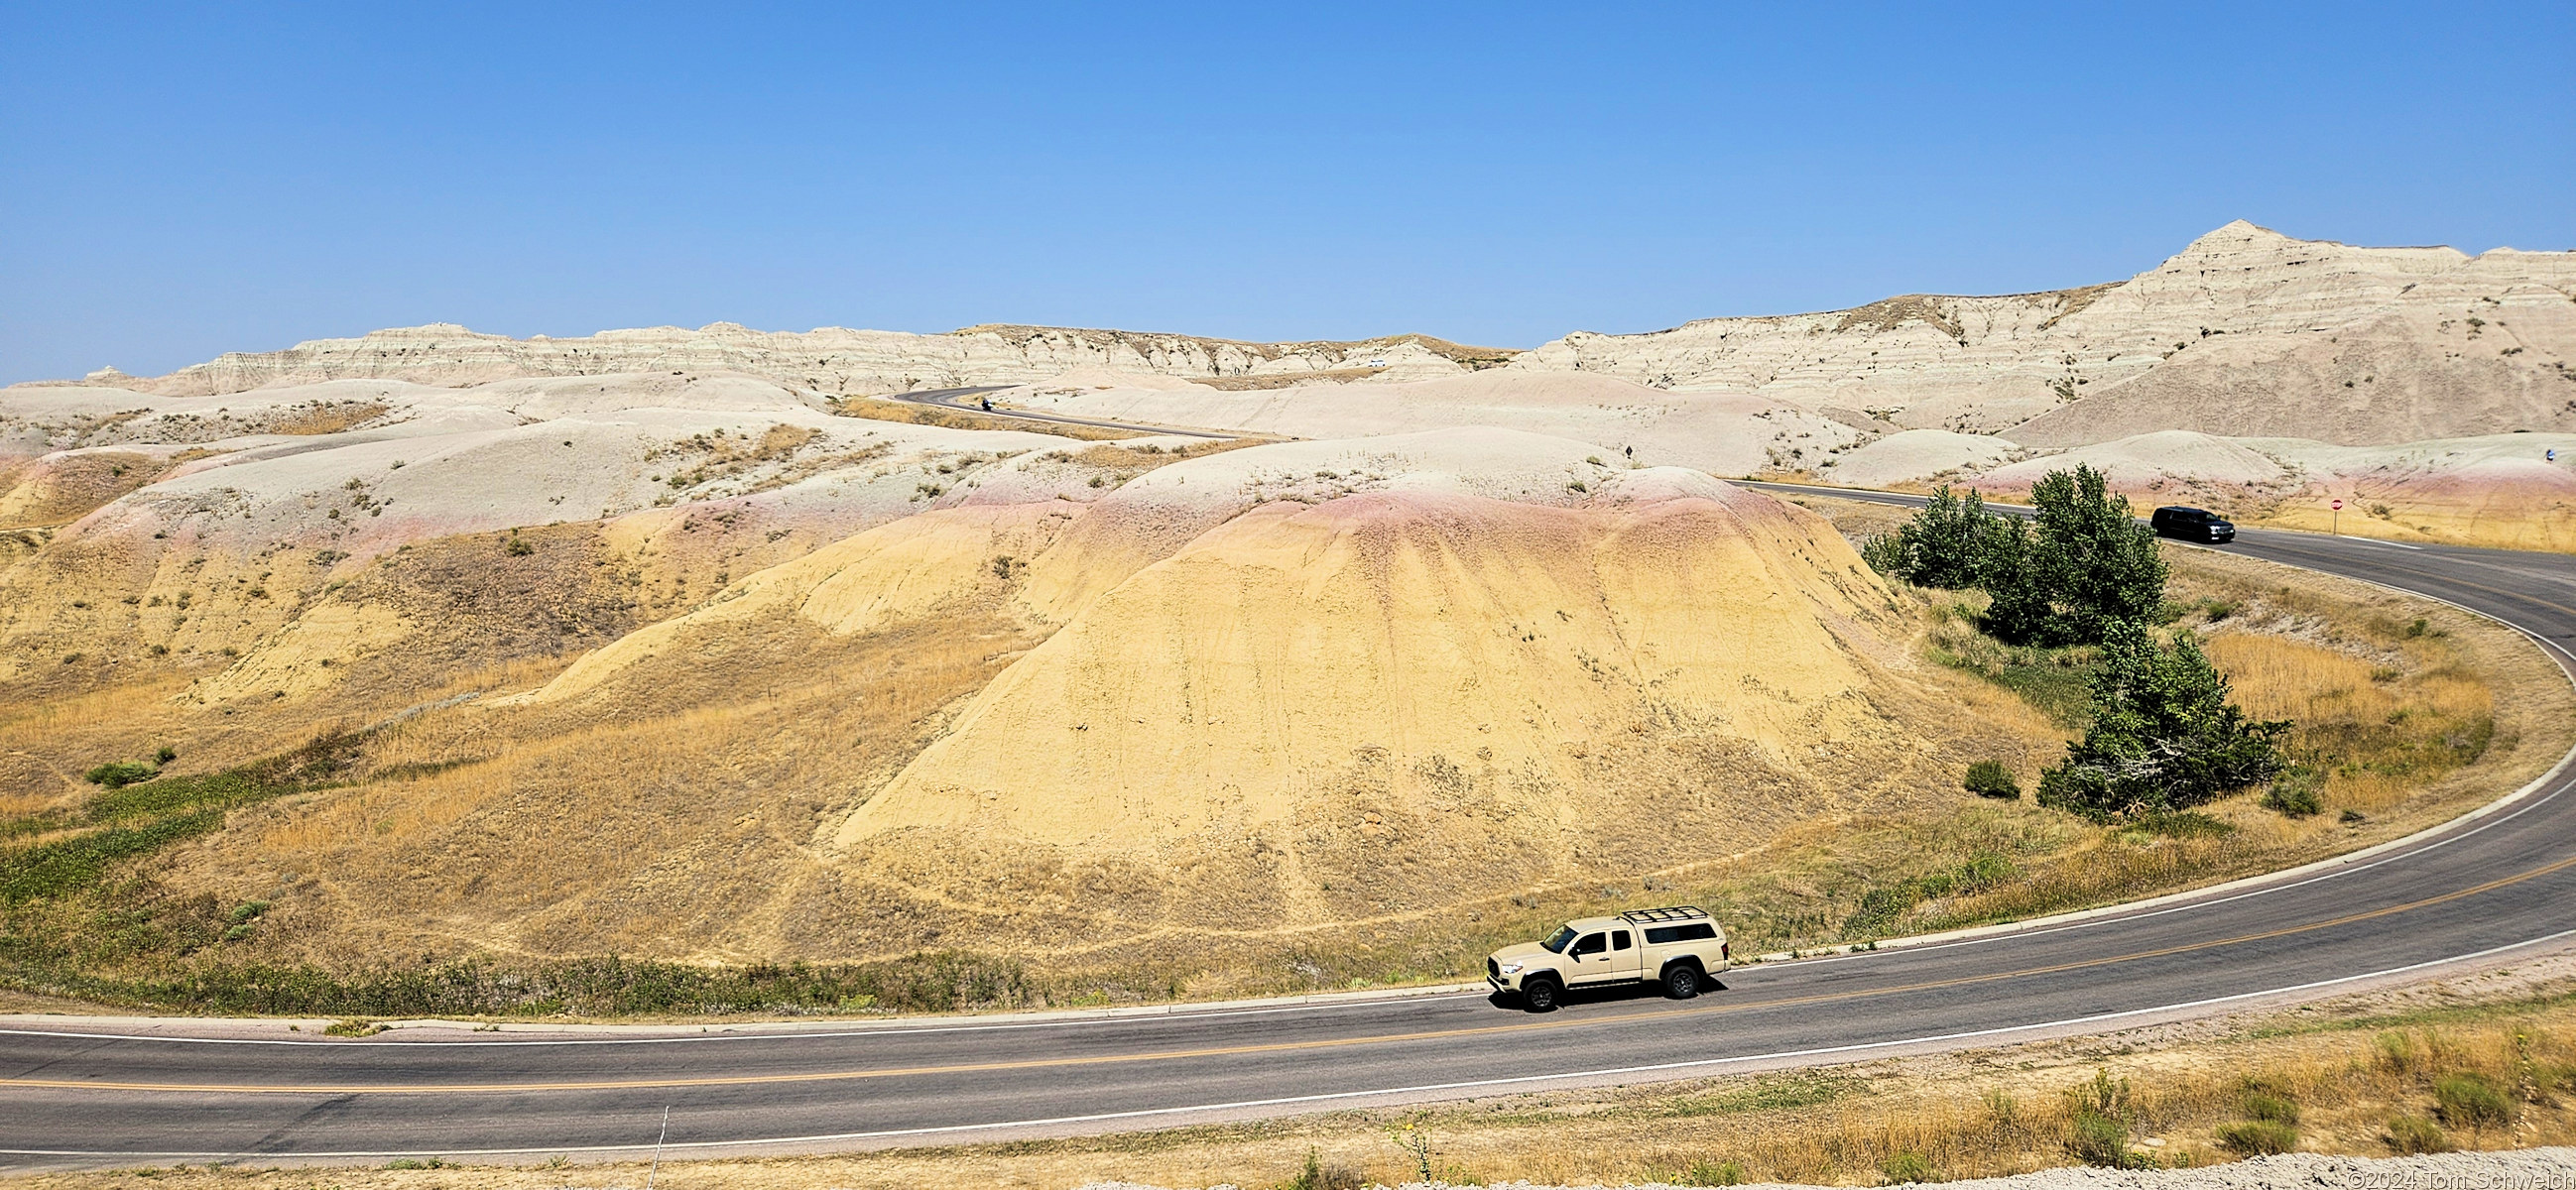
(2482, 891)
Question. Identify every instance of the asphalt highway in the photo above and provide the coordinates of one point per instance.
(2481, 892)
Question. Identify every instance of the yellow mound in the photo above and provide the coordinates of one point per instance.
(910, 568)
(1222, 688)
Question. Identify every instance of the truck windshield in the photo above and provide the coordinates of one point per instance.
(1556, 942)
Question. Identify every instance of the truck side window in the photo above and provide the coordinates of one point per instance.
(1619, 940)
(1591, 944)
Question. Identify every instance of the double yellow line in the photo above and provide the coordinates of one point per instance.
(1230, 1051)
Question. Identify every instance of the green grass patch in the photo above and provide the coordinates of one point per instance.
(1774, 1093)
(2055, 681)
(128, 820)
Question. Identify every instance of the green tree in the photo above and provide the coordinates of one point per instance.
(1950, 544)
(2164, 736)
(2090, 565)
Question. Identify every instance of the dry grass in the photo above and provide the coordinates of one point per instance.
(656, 816)
(2387, 727)
(329, 417)
(1273, 380)
(963, 419)
(2498, 522)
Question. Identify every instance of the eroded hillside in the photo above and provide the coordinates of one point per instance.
(690, 667)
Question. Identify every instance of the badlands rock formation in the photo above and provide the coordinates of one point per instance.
(693, 666)
(2245, 332)
(1715, 432)
(831, 359)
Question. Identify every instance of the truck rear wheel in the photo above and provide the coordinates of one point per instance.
(1539, 994)
(1681, 981)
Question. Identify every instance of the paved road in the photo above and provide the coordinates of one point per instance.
(965, 398)
(2501, 885)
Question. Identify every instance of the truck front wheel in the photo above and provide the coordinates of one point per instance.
(1681, 981)
(1538, 994)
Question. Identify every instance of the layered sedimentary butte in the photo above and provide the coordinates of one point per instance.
(831, 359)
(2245, 332)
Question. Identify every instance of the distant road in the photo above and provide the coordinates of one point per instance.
(2478, 893)
(965, 399)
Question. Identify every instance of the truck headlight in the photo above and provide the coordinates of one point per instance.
(1512, 968)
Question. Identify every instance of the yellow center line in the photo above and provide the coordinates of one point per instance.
(1261, 1048)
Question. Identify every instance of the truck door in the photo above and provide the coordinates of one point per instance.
(1625, 955)
(1588, 960)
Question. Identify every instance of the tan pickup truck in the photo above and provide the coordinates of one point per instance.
(1680, 947)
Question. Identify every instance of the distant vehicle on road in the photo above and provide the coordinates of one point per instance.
(1680, 947)
(2192, 524)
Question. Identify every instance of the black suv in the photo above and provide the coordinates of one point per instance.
(2192, 524)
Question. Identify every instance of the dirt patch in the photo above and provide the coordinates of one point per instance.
(962, 419)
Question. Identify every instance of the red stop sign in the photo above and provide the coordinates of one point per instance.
(2338, 506)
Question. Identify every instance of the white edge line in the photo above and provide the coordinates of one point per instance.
(1179, 1012)
(1284, 1101)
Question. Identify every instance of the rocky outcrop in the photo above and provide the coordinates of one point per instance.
(2244, 332)
(831, 360)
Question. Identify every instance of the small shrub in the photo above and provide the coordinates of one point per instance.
(1989, 778)
(518, 548)
(2098, 1124)
(2101, 1140)
(1902, 1168)
(1416, 1146)
(1722, 1173)
(2470, 1101)
(2414, 1134)
(2258, 1138)
(2183, 824)
(121, 773)
(2295, 794)
(165, 755)
(1319, 1176)
(2270, 1108)
(354, 1028)
(2396, 1053)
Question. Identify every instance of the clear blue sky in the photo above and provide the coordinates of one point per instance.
(176, 182)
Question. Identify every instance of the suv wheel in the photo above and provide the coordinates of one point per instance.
(1681, 981)
(1539, 995)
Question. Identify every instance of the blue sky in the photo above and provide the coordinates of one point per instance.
(176, 182)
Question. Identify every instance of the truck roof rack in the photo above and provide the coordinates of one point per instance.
(1667, 913)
